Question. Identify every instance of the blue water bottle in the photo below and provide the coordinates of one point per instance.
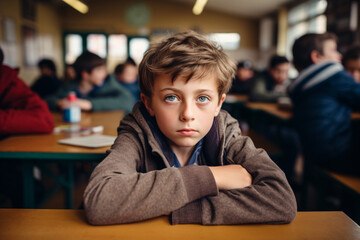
(72, 112)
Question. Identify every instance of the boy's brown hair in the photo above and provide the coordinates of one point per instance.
(87, 61)
(188, 54)
(307, 43)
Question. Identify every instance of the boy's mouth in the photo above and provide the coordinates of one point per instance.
(187, 131)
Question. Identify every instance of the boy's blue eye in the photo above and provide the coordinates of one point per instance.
(171, 98)
(203, 99)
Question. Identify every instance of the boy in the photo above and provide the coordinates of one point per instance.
(127, 76)
(351, 62)
(47, 83)
(244, 78)
(176, 154)
(21, 110)
(94, 90)
(271, 84)
(324, 96)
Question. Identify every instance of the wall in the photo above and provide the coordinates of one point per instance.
(48, 36)
(108, 17)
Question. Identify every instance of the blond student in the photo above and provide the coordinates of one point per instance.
(178, 154)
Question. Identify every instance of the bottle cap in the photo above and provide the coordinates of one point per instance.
(72, 96)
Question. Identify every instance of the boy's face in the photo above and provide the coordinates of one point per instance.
(352, 66)
(280, 72)
(330, 52)
(96, 76)
(184, 111)
(129, 74)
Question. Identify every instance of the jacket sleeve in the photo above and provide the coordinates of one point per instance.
(23, 111)
(348, 91)
(120, 192)
(269, 199)
(113, 97)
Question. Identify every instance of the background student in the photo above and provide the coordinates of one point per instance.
(244, 78)
(324, 96)
(272, 83)
(48, 82)
(127, 75)
(351, 62)
(95, 91)
(21, 110)
(177, 154)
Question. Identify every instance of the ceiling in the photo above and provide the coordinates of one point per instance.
(244, 8)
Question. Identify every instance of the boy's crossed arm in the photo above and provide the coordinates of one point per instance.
(231, 177)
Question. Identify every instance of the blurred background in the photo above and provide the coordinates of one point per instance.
(116, 29)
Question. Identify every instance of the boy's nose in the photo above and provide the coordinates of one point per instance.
(187, 113)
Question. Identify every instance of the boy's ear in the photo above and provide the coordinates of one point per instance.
(315, 56)
(84, 74)
(222, 99)
(147, 102)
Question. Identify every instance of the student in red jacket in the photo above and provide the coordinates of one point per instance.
(21, 110)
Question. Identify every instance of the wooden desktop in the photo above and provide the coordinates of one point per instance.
(71, 224)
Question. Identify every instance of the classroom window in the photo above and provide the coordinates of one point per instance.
(228, 41)
(137, 48)
(304, 18)
(73, 47)
(96, 43)
(115, 48)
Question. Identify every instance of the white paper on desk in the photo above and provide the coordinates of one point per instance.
(92, 141)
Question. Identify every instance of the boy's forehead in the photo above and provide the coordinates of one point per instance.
(161, 79)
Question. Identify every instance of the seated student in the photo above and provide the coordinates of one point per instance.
(177, 154)
(21, 110)
(270, 86)
(324, 96)
(244, 78)
(272, 83)
(351, 62)
(94, 90)
(127, 75)
(48, 83)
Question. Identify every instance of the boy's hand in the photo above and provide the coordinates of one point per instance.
(85, 105)
(231, 177)
(62, 103)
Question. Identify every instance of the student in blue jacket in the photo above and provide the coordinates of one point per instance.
(324, 96)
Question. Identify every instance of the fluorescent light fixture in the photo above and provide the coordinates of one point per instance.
(80, 6)
(199, 6)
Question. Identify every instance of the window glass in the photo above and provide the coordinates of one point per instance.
(73, 47)
(137, 48)
(117, 50)
(228, 41)
(96, 43)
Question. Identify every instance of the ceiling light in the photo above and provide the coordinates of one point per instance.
(80, 6)
(199, 6)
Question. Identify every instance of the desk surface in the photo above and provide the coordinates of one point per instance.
(71, 224)
(273, 109)
(42, 146)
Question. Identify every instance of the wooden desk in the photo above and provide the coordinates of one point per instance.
(270, 108)
(37, 149)
(46, 146)
(71, 224)
(236, 98)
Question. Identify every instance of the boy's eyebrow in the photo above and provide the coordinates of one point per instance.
(177, 90)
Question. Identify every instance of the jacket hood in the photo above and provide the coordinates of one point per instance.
(313, 76)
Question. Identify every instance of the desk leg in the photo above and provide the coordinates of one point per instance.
(28, 184)
(69, 187)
